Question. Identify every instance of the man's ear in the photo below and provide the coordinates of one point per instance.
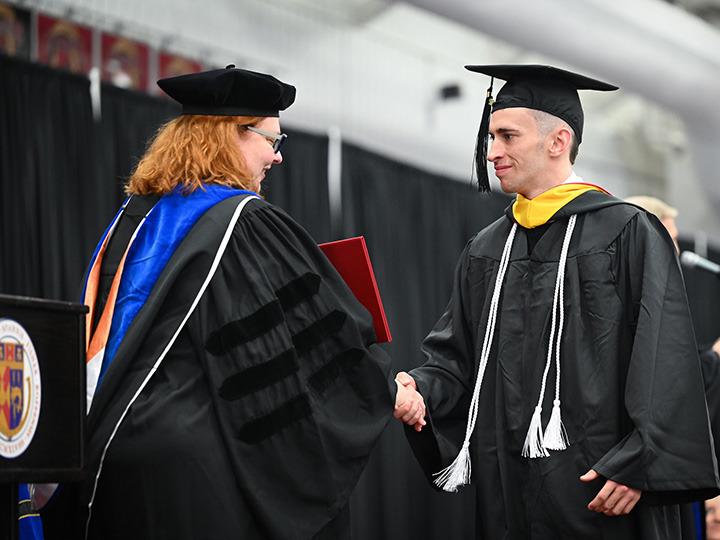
(561, 141)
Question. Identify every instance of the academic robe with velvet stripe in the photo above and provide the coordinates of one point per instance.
(631, 387)
(260, 419)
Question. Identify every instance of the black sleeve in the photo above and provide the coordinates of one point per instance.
(669, 453)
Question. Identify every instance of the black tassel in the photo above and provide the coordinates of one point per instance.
(481, 144)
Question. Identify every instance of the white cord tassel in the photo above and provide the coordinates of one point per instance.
(555, 437)
(534, 447)
(459, 472)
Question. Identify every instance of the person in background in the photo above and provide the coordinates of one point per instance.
(563, 378)
(29, 521)
(712, 519)
(709, 354)
(235, 389)
(663, 211)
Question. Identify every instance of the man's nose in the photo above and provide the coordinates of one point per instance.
(494, 151)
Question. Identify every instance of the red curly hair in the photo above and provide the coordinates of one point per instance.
(190, 151)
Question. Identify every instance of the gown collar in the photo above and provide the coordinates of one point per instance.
(531, 213)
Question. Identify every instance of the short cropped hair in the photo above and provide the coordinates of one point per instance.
(546, 122)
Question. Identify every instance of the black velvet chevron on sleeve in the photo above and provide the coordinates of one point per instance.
(309, 338)
(267, 425)
(236, 333)
(322, 378)
(256, 378)
(298, 290)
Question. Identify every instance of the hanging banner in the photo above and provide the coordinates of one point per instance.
(124, 62)
(64, 45)
(171, 65)
(14, 31)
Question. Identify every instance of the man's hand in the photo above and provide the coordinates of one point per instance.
(409, 404)
(716, 346)
(613, 499)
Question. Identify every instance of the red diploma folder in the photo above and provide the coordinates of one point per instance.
(350, 258)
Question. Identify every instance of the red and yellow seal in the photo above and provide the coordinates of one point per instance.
(20, 389)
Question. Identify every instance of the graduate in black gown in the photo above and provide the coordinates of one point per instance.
(235, 389)
(563, 379)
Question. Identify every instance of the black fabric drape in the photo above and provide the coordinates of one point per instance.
(299, 184)
(415, 225)
(703, 289)
(61, 173)
(46, 160)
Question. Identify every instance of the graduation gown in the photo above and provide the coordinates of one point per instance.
(260, 418)
(631, 388)
(710, 363)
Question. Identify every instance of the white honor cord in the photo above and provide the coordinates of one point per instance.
(459, 472)
(537, 444)
(213, 268)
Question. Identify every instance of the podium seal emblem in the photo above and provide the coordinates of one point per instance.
(20, 389)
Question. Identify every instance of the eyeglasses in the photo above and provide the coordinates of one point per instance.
(279, 138)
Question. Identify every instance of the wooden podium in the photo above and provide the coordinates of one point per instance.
(42, 397)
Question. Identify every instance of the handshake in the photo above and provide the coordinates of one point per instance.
(409, 404)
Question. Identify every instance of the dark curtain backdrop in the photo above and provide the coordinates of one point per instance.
(299, 184)
(61, 174)
(46, 157)
(703, 290)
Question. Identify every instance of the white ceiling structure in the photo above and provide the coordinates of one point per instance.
(372, 71)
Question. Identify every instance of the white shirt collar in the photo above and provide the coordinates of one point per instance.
(574, 179)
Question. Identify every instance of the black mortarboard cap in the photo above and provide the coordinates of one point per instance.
(543, 88)
(229, 92)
